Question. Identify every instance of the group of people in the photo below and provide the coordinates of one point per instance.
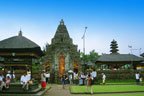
(25, 80)
(88, 78)
(5, 80)
(82, 79)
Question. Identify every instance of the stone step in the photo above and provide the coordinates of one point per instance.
(17, 88)
(35, 93)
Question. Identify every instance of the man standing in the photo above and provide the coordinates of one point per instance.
(94, 75)
(137, 76)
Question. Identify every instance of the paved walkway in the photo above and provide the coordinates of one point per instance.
(57, 90)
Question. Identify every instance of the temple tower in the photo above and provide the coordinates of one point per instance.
(62, 55)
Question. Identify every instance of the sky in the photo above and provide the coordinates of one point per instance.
(121, 20)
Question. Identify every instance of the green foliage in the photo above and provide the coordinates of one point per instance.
(36, 67)
(92, 56)
(88, 59)
(118, 75)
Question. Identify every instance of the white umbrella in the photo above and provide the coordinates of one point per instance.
(70, 71)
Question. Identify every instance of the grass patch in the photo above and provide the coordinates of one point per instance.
(120, 83)
(121, 94)
(107, 88)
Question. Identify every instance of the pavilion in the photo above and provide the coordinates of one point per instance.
(115, 60)
(18, 53)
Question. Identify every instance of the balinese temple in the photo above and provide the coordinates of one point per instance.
(115, 60)
(62, 55)
(18, 53)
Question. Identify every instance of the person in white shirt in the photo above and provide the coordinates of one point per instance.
(2, 82)
(24, 81)
(83, 77)
(28, 77)
(137, 76)
(13, 75)
(47, 74)
(29, 74)
(94, 75)
(71, 78)
(9, 74)
(1, 77)
(103, 78)
(76, 78)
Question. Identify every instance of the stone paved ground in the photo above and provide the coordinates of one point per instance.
(57, 90)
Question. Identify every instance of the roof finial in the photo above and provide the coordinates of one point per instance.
(113, 39)
(20, 33)
(61, 22)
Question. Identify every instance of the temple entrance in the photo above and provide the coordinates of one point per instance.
(61, 65)
(75, 66)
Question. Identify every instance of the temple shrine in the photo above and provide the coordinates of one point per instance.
(62, 55)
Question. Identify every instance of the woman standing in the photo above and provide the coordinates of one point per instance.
(89, 83)
(43, 80)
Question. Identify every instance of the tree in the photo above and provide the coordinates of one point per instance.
(91, 57)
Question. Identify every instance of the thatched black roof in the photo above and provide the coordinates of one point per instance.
(19, 43)
(118, 58)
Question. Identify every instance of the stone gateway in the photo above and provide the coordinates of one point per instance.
(62, 55)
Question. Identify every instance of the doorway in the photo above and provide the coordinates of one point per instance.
(61, 64)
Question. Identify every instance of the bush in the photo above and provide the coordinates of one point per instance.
(118, 74)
